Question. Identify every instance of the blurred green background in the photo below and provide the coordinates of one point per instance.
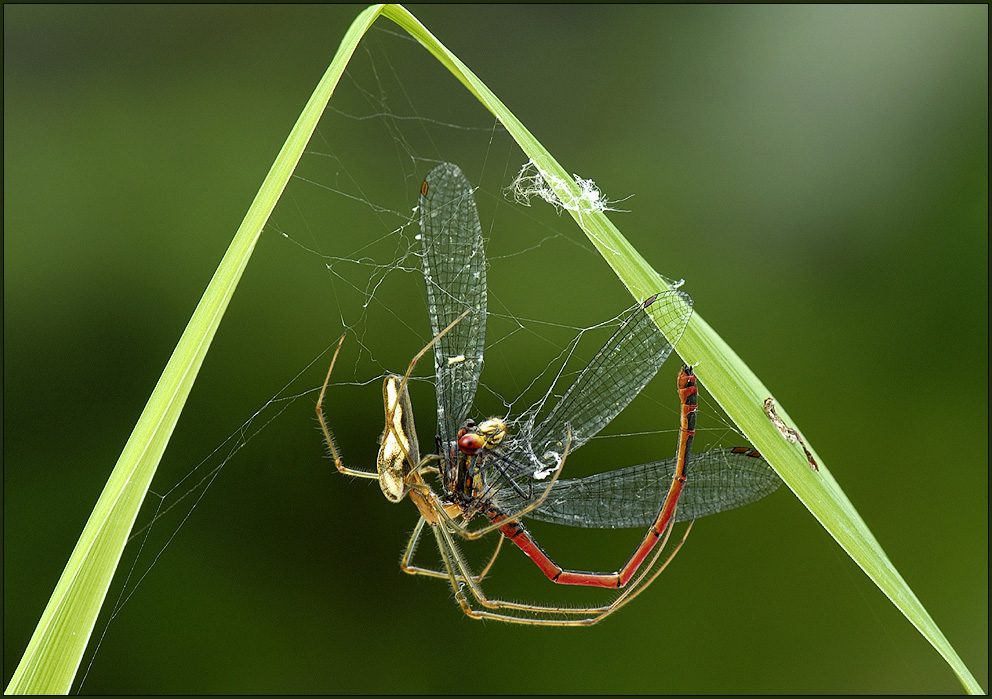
(818, 175)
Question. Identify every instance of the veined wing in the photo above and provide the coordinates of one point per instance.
(718, 480)
(455, 273)
(611, 380)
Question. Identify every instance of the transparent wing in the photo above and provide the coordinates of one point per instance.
(610, 381)
(718, 480)
(455, 273)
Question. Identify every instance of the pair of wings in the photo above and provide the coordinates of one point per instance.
(454, 265)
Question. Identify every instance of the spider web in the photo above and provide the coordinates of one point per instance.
(346, 233)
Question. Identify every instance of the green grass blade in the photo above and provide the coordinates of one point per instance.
(729, 380)
(53, 655)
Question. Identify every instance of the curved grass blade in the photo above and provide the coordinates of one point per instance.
(730, 381)
(53, 654)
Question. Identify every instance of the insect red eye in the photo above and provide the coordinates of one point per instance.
(471, 443)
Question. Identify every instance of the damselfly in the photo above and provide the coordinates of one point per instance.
(500, 471)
